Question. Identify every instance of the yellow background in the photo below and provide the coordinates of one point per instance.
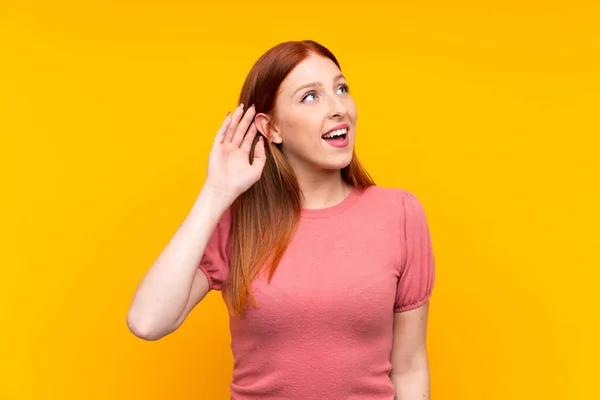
(488, 111)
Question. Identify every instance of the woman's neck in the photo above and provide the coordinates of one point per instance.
(323, 190)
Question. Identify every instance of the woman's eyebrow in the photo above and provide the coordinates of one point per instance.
(316, 84)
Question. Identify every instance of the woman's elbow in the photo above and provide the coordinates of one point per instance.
(144, 329)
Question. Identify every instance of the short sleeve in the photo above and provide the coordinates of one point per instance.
(417, 274)
(215, 260)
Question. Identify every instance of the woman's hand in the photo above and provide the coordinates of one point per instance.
(230, 172)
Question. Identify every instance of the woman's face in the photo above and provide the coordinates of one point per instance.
(313, 100)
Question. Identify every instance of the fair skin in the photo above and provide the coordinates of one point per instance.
(410, 364)
(302, 117)
(173, 285)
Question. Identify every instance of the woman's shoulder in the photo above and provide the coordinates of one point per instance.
(386, 193)
(380, 200)
(391, 198)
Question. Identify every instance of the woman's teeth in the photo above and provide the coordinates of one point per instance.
(333, 134)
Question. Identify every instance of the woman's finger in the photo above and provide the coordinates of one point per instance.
(249, 138)
(242, 127)
(224, 126)
(259, 152)
(235, 119)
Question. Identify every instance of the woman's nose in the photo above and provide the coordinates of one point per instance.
(337, 107)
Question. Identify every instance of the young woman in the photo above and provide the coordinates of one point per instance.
(339, 270)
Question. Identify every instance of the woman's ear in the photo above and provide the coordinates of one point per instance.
(264, 126)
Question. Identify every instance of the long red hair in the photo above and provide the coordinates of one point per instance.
(265, 217)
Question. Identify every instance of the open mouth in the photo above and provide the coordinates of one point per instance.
(338, 134)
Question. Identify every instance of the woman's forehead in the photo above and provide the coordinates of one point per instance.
(313, 70)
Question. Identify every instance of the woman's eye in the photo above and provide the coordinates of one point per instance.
(307, 95)
(344, 88)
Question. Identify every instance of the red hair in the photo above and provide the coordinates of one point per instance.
(265, 217)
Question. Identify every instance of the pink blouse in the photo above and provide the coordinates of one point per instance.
(323, 329)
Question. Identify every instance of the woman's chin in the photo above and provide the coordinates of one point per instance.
(337, 162)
